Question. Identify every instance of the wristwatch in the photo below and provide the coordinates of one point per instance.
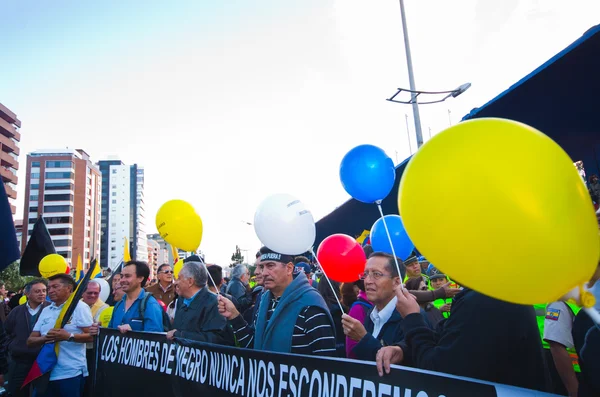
(72, 338)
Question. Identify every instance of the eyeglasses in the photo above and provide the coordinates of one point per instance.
(166, 272)
(374, 275)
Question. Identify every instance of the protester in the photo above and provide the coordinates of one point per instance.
(438, 280)
(116, 286)
(127, 315)
(329, 295)
(164, 289)
(382, 327)
(413, 269)
(484, 338)
(432, 315)
(197, 317)
(91, 297)
(4, 307)
(238, 287)
(292, 316)
(67, 378)
(594, 189)
(359, 311)
(18, 327)
(302, 264)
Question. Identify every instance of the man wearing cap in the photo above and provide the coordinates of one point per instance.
(292, 316)
(413, 269)
(302, 266)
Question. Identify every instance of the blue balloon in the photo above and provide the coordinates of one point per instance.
(367, 173)
(380, 242)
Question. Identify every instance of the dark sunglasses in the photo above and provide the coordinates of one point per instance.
(166, 272)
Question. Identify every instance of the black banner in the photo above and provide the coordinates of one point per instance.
(146, 364)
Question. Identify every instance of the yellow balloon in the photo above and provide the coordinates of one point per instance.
(492, 201)
(177, 268)
(105, 316)
(180, 225)
(52, 264)
(22, 300)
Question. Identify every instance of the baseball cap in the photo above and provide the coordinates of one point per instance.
(302, 267)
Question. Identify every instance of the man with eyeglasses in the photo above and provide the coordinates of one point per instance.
(292, 316)
(382, 325)
(164, 290)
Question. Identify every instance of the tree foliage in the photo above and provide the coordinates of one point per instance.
(12, 279)
(237, 257)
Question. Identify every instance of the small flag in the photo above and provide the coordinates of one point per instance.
(126, 256)
(48, 356)
(175, 253)
(39, 245)
(79, 274)
(97, 272)
(9, 246)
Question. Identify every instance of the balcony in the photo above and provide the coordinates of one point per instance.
(10, 192)
(8, 161)
(6, 113)
(8, 143)
(8, 130)
(8, 176)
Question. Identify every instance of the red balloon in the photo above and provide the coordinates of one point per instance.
(342, 258)
(68, 270)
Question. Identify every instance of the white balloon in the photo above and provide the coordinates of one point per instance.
(283, 224)
(104, 288)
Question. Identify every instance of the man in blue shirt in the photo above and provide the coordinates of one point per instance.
(126, 315)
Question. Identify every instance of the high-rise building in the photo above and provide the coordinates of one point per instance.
(63, 186)
(123, 212)
(9, 153)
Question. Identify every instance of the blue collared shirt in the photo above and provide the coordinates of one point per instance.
(187, 302)
(153, 319)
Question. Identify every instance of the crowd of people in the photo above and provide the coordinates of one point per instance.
(417, 317)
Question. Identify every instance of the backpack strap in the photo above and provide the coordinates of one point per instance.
(143, 305)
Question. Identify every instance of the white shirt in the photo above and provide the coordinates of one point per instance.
(381, 317)
(71, 356)
(558, 324)
(35, 311)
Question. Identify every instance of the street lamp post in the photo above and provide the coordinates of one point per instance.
(411, 78)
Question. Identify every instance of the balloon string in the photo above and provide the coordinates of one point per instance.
(389, 236)
(327, 278)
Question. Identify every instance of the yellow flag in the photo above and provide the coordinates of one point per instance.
(97, 271)
(175, 253)
(126, 256)
(79, 270)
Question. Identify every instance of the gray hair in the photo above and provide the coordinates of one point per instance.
(195, 270)
(238, 271)
(94, 282)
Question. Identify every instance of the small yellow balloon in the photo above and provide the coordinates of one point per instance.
(180, 225)
(177, 268)
(22, 300)
(52, 264)
(105, 316)
(491, 201)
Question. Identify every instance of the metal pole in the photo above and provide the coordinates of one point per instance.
(411, 78)
(450, 117)
(408, 133)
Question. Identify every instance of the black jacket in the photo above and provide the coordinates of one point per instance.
(239, 291)
(484, 338)
(201, 321)
(391, 333)
(586, 337)
(18, 328)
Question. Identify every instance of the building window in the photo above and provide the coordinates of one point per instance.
(114, 201)
(113, 248)
(35, 175)
(114, 171)
(35, 163)
(33, 209)
(58, 197)
(59, 175)
(114, 186)
(59, 164)
(58, 186)
(58, 208)
(54, 220)
(114, 193)
(33, 198)
(35, 186)
(60, 231)
(62, 243)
